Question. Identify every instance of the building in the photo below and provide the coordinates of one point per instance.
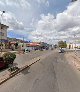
(3, 34)
(38, 45)
(33, 45)
(72, 46)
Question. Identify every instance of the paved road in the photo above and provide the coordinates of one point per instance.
(68, 77)
(52, 74)
(23, 58)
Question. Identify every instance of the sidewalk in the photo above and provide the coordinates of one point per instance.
(73, 59)
(5, 74)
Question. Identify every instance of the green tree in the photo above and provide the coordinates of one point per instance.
(9, 57)
(62, 44)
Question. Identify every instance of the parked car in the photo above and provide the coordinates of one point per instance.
(2, 64)
(61, 51)
(27, 50)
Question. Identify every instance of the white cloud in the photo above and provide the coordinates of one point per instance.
(10, 20)
(24, 3)
(17, 3)
(1, 3)
(60, 28)
(46, 2)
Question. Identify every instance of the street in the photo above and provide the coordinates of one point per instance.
(51, 74)
(24, 58)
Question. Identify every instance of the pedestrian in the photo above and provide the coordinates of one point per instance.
(12, 47)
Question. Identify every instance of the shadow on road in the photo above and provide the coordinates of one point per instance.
(15, 64)
(1, 70)
(26, 71)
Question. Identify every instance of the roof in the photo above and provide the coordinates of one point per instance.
(33, 44)
(2, 25)
(13, 42)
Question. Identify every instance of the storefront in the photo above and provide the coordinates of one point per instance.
(33, 45)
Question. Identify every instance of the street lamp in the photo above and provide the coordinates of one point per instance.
(1, 30)
(2, 13)
(23, 42)
(75, 29)
(75, 43)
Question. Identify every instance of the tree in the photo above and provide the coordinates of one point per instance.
(9, 57)
(16, 45)
(62, 44)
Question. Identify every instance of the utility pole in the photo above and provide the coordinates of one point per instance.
(23, 42)
(75, 43)
(1, 38)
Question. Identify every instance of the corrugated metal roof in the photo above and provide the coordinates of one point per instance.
(33, 44)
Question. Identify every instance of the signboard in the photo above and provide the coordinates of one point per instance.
(3, 40)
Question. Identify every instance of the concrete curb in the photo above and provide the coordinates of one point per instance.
(11, 75)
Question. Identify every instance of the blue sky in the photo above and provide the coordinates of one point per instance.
(27, 17)
(26, 14)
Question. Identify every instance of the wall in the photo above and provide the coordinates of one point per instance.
(3, 32)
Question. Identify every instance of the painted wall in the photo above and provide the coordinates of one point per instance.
(3, 33)
(72, 46)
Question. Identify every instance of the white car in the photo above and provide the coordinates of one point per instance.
(61, 50)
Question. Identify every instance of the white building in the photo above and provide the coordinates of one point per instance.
(3, 33)
(72, 46)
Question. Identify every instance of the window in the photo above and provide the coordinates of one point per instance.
(1, 33)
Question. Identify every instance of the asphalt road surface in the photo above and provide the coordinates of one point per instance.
(50, 74)
(23, 58)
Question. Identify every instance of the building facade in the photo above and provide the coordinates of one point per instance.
(3, 34)
(73, 46)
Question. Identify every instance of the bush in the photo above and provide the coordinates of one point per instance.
(1, 44)
(9, 57)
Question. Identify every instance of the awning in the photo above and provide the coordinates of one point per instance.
(34, 44)
(13, 42)
(3, 40)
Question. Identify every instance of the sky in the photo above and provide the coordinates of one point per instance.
(42, 20)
